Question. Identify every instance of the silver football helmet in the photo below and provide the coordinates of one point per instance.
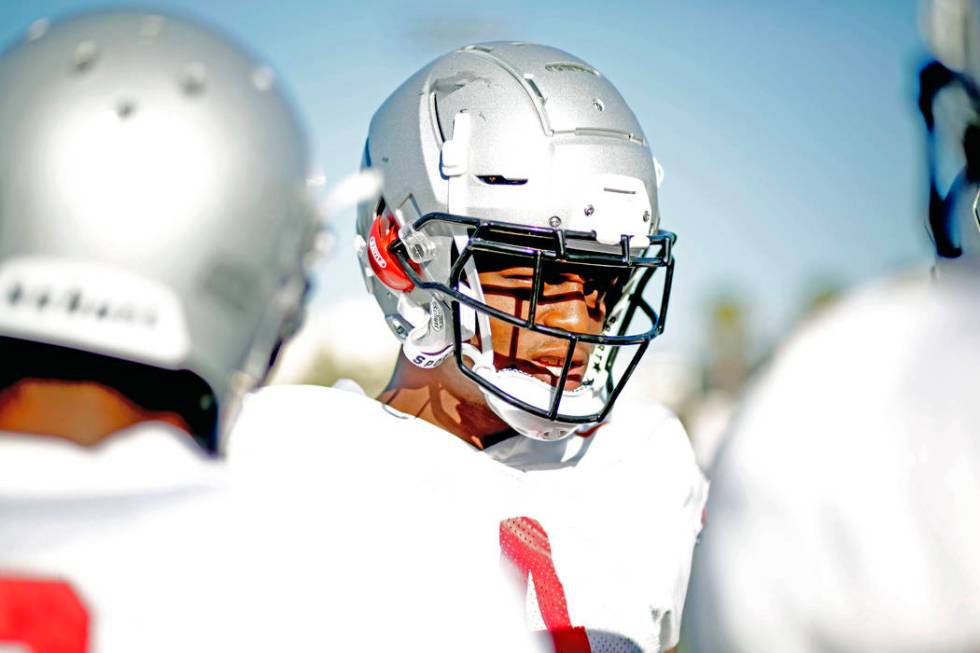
(523, 151)
(949, 99)
(154, 205)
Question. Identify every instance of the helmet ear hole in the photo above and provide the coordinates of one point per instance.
(385, 265)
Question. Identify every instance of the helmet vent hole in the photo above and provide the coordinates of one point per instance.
(84, 56)
(534, 87)
(125, 109)
(434, 100)
(571, 67)
(38, 29)
(500, 180)
(194, 79)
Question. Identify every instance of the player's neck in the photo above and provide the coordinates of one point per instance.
(83, 412)
(445, 398)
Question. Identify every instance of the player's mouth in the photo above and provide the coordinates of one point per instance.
(547, 367)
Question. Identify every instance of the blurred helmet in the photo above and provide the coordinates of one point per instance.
(949, 99)
(523, 151)
(154, 206)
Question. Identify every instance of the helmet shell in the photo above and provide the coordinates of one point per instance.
(153, 196)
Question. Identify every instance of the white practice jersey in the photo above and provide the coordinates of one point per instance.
(312, 534)
(845, 510)
(596, 532)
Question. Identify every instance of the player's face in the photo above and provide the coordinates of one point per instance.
(84, 412)
(573, 297)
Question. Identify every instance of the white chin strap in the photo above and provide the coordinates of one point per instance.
(580, 401)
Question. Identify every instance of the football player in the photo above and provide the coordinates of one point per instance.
(843, 511)
(156, 229)
(517, 254)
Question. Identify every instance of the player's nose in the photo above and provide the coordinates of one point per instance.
(567, 311)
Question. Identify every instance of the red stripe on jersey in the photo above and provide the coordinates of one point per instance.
(525, 542)
(46, 616)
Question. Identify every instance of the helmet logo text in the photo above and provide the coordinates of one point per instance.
(376, 254)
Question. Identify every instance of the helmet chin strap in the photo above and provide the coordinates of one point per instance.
(581, 401)
(473, 322)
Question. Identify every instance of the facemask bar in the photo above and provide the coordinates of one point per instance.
(621, 316)
(482, 238)
(933, 79)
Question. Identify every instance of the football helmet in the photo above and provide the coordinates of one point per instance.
(949, 101)
(154, 208)
(528, 153)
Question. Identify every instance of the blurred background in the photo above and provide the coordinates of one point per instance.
(787, 131)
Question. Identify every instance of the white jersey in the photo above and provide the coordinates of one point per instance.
(845, 511)
(596, 532)
(311, 535)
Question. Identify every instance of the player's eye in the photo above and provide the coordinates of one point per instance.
(518, 277)
(591, 285)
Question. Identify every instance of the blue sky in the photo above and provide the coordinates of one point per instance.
(786, 129)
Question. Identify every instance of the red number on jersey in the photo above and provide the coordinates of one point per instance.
(45, 616)
(525, 542)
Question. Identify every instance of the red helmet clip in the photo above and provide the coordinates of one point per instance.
(386, 266)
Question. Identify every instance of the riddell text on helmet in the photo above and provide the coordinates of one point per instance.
(375, 254)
